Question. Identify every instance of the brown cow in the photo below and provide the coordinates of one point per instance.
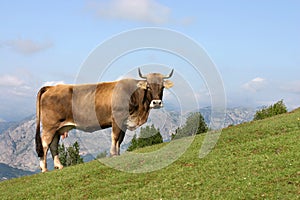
(122, 105)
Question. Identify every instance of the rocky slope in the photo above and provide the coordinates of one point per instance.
(17, 146)
(233, 116)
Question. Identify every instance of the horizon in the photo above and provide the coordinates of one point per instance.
(166, 108)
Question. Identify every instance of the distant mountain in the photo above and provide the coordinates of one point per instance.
(7, 172)
(17, 145)
(232, 116)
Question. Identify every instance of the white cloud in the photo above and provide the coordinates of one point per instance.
(149, 11)
(255, 85)
(17, 97)
(23, 91)
(20, 83)
(9, 80)
(27, 46)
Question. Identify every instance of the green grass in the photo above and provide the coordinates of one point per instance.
(255, 160)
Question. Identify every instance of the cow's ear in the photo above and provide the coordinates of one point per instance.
(168, 84)
(142, 85)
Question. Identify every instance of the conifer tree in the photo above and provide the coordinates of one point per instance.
(195, 124)
(69, 156)
(148, 136)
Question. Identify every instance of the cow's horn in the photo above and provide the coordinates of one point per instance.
(141, 75)
(169, 76)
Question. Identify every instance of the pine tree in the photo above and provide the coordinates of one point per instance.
(134, 144)
(148, 136)
(194, 125)
(62, 154)
(70, 155)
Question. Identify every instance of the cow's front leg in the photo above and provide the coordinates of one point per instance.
(117, 136)
(120, 140)
(114, 139)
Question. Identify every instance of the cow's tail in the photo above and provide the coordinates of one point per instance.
(38, 139)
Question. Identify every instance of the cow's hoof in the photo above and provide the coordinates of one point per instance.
(58, 167)
(57, 164)
(44, 170)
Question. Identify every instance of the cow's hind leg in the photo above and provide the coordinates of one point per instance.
(54, 151)
(47, 138)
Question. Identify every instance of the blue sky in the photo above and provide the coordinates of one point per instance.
(254, 44)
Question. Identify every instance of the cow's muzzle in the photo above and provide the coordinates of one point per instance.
(156, 104)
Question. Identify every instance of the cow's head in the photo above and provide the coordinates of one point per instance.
(154, 86)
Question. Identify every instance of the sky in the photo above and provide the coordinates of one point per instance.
(254, 45)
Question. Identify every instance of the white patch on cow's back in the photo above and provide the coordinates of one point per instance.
(53, 83)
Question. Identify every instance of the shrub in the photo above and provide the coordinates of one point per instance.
(275, 109)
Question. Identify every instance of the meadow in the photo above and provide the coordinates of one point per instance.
(255, 160)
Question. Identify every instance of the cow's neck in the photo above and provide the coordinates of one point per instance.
(144, 107)
(145, 104)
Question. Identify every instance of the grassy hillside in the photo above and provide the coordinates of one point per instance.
(256, 160)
